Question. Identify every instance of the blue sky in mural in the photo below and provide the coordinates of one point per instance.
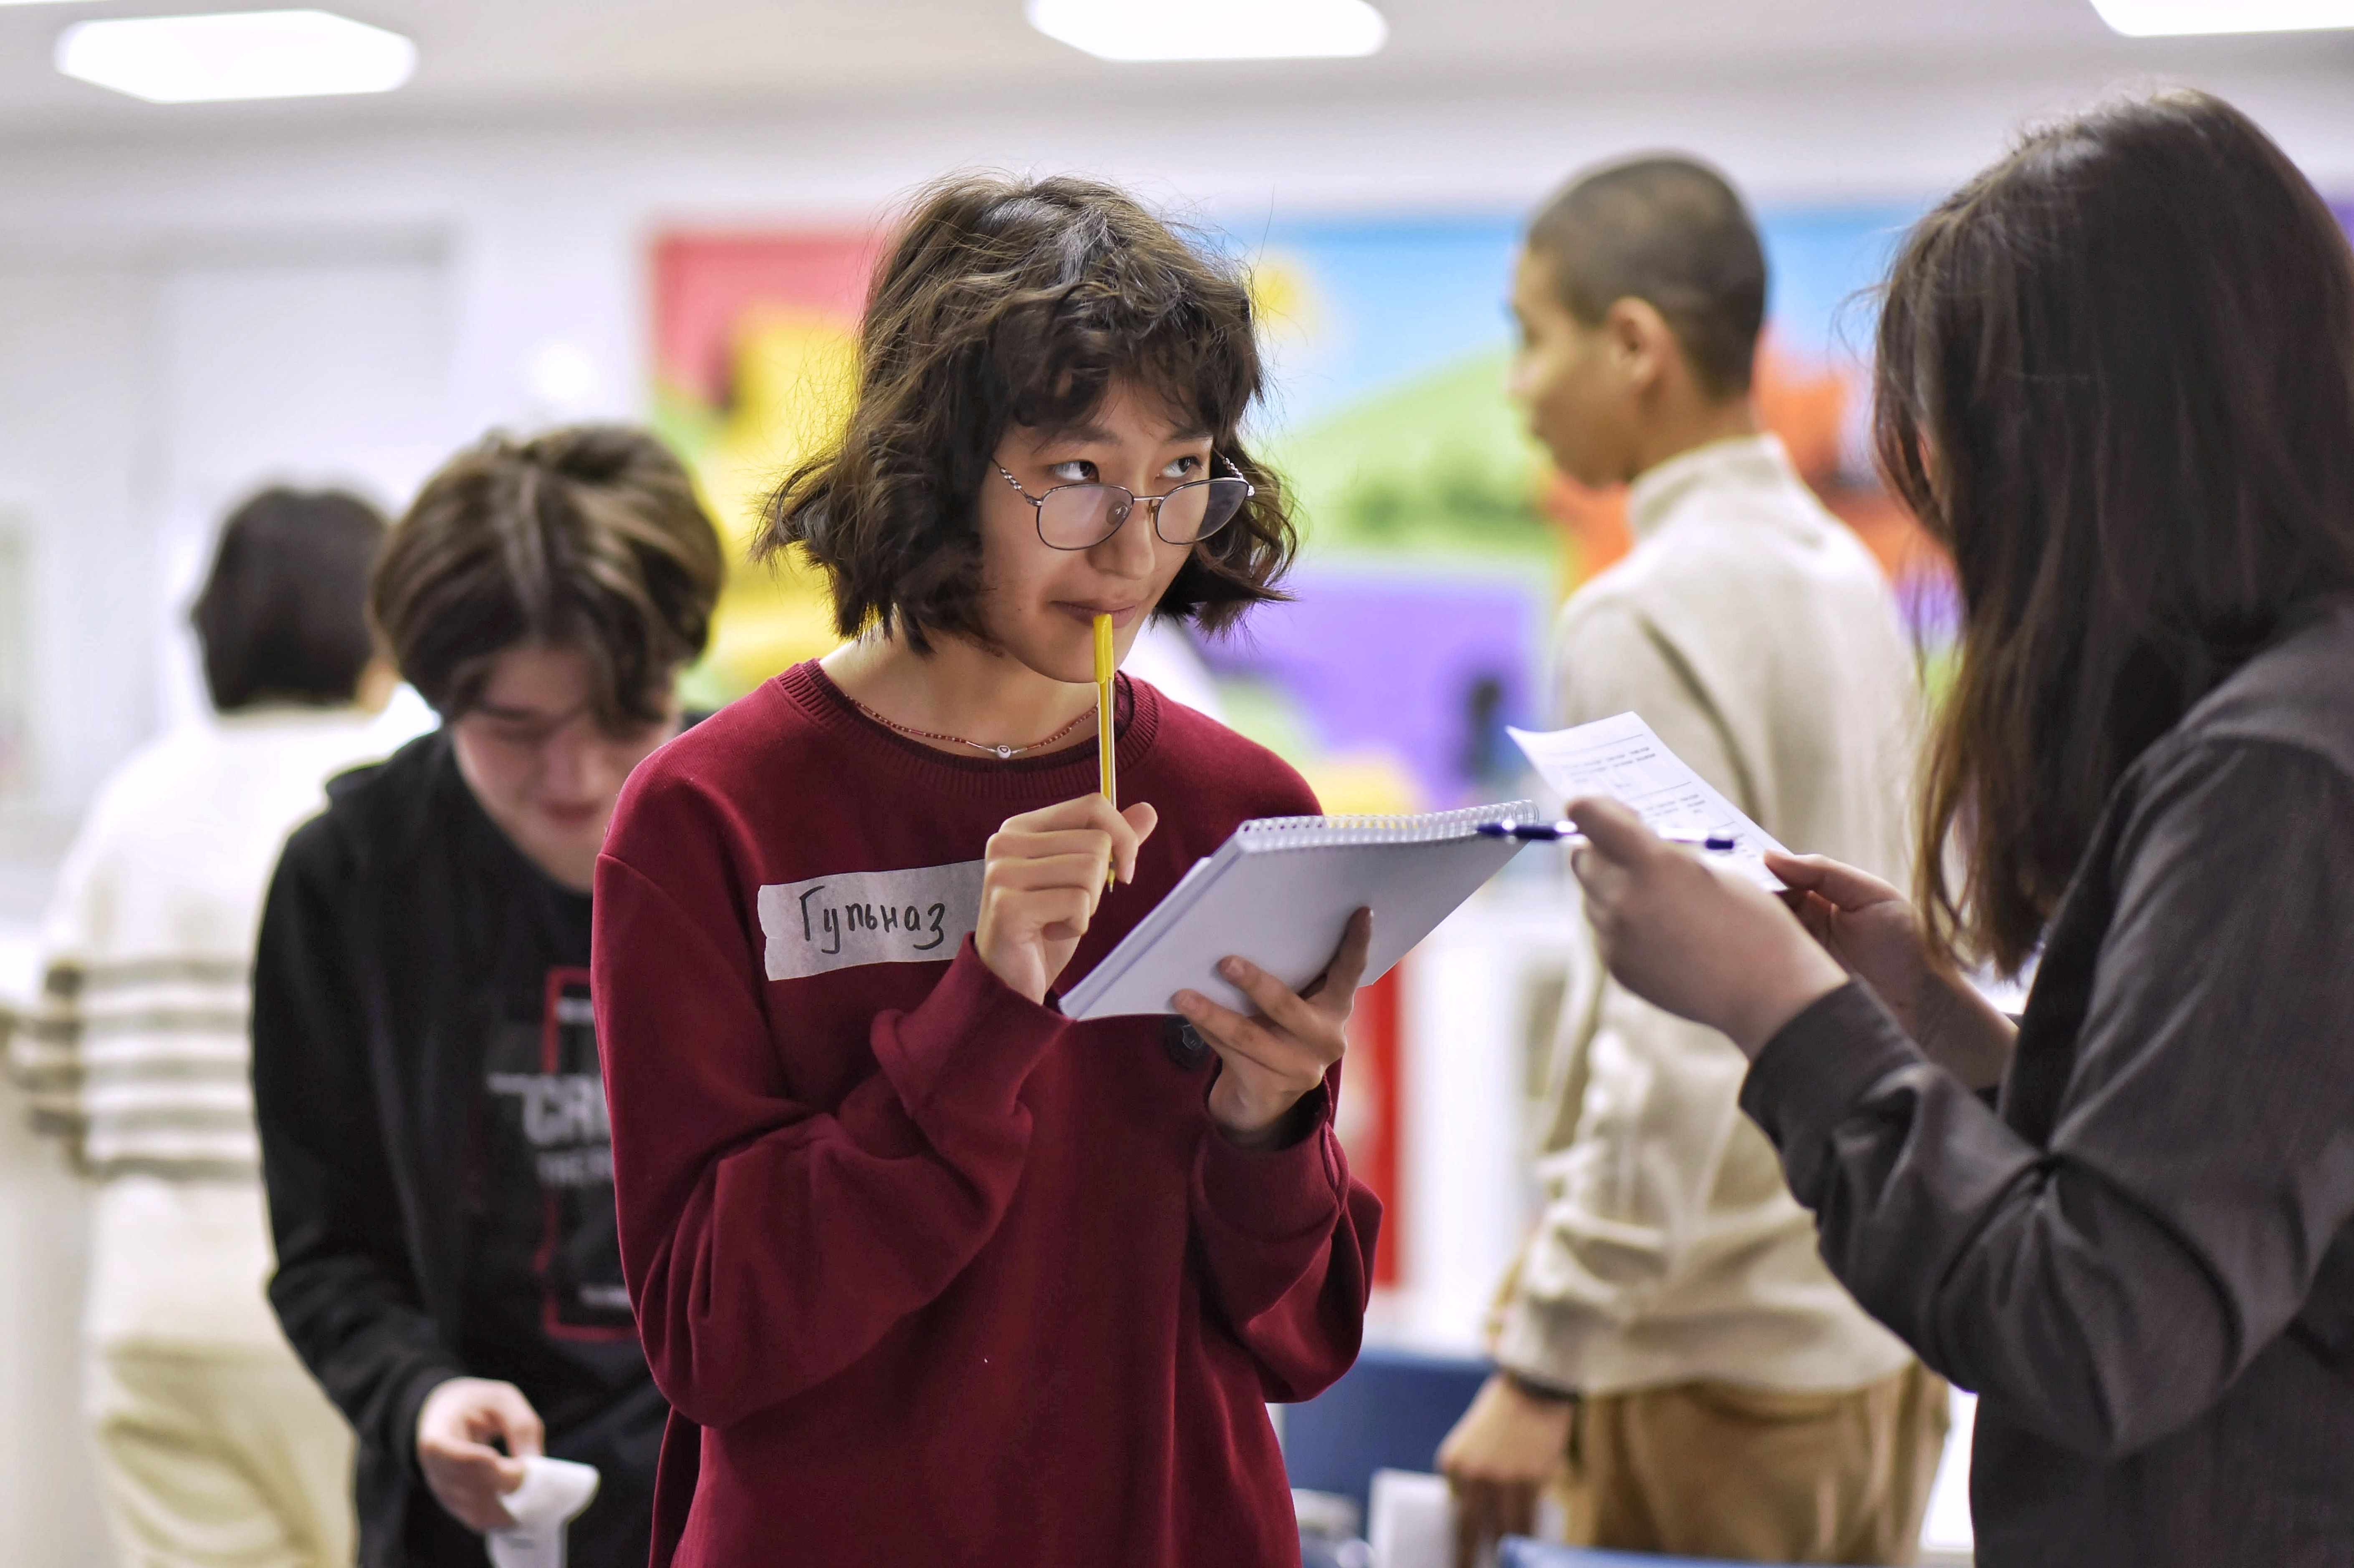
(1821, 265)
(1395, 300)
(1390, 302)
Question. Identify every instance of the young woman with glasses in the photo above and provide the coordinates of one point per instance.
(934, 1271)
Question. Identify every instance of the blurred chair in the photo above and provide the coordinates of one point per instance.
(1323, 1551)
(1389, 1412)
(1519, 1551)
(1413, 1522)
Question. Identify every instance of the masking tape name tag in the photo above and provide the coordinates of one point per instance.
(830, 923)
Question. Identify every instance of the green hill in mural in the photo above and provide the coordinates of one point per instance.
(1438, 467)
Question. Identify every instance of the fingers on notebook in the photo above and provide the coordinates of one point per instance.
(1273, 1061)
(1306, 1026)
(1342, 975)
(1277, 1003)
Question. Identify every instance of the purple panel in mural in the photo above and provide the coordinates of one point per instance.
(1428, 670)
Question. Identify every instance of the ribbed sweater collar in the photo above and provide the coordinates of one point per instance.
(1736, 463)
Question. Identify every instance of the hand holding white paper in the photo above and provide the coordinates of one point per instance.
(553, 1493)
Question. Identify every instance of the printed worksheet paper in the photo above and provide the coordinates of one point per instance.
(1621, 757)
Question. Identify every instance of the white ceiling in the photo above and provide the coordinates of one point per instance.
(503, 58)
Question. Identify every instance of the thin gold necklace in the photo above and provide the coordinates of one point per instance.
(1002, 753)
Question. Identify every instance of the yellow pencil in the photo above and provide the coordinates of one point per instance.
(1106, 741)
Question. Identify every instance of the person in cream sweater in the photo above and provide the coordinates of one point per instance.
(1668, 1342)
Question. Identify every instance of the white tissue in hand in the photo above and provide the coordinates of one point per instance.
(553, 1493)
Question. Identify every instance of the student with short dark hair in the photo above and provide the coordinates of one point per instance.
(1729, 1398)
(938, 1274)
(275, 619)
(432, 1115)
(2117, 378)
(213, 1443)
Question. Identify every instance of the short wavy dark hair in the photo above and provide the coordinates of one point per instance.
(1005, 303)
(590, 538)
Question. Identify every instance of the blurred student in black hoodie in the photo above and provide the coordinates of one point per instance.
(432, 1117)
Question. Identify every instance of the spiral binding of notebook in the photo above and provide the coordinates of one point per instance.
(1262, 834)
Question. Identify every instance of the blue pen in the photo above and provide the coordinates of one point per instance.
(1567, 832)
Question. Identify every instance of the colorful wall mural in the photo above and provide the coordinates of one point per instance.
(1439, 543)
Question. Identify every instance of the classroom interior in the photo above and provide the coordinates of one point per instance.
(663, 212)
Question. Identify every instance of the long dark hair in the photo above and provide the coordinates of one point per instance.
(1010, 302)
(2115, 377)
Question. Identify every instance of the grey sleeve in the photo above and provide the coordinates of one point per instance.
(2107, 1286)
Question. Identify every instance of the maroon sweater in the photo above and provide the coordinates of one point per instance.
(943, 1276)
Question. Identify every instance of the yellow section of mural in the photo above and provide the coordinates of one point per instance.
(1283, 297)
(793, 377)
(1365, 782)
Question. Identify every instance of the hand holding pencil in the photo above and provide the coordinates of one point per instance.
(1039, 890)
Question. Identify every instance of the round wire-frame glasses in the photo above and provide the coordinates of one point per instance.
(1081, 516)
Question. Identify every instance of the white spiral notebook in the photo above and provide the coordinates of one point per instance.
(1279, 892)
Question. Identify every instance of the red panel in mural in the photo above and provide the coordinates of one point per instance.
(1372, 1106)
(705, 285)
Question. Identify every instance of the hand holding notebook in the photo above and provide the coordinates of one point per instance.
(1280, 891)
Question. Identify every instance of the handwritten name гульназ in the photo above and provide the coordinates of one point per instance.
(863, 917)
(826, 923)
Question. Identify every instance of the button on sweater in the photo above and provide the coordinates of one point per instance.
(931, 1272)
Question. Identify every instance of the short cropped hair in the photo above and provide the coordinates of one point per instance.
(1673, 233)
(282, 616)
(589, 538)
(1004, 303)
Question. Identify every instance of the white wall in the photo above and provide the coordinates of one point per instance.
(74, 457)
(311, 369)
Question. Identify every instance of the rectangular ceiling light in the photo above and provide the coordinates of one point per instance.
(1212, 29)
(2167, 18)
(245, 54)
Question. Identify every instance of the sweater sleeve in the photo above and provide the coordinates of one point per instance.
(2105, 1289)
(343, 1290)
(1626, 1170)
(770, 1244)
(44, 1044)
(1288, 1240)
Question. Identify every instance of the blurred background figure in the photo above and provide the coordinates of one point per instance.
(1736, 1402)
(215, 1446)
(434, 1136)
